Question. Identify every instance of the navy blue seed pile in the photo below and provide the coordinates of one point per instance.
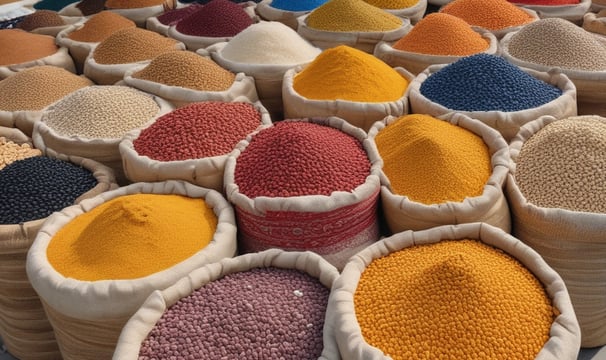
(263, 313)
(54, 5)
(35, 187)
(485, 82)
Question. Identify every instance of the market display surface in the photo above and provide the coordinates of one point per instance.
(302, 179)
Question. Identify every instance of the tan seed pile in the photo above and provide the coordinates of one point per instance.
(562, 165)
(100, 26)
(37, 87)
(19, 46)
(352, 15)
(41, 18)
(188, 70)
(132, 45)
(11, 152)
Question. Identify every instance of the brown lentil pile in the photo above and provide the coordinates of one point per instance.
(101, 112)
(90, 7)
(132, 45)
(559, 43)
(19, 46)
(352, 15)
(37, 87)
(188, 70)
(39, 19)
(100, 26)
(442, 34)
(132, 4)
(458, 299)
(562, 165)
(488, 14)
(11, 152)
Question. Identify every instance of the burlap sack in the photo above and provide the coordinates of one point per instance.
(60, 59)
(205, 172)
(243, 86)
(564, 340)
(268, 78)
(110, 74)
(590, 85)
(23, 120)
(413, 13)
(401, 213)
(572, 242)
(78, 50)
(87, 316)
(594, 23)
(416, 62)
(572, 12)
(24, 326)
(365, 41)
(142, 322)
(348, 220)
(286, 17)
(507, 123)
(359, 114)
(105, 151)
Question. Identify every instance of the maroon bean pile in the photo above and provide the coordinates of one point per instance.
(262, 313)
(297, 158)
(171, 17)
(198, 130)
(218, 18)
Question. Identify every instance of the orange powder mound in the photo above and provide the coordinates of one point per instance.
(488, 14)
(442, 34)
(19, 46)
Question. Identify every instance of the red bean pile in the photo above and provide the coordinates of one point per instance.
(218, 18)
(297, 158)
(171, 17)
(262, 313)
(198, 130)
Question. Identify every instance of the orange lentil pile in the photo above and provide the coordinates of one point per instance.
(132, 45)
(188, 70)
(132, 4)
(18, 46)
(442, 34)
(455, 299)
(488, 14)
(101, 25)
(432, 161)
(37, 87)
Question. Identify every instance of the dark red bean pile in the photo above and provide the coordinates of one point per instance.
(218, 18)
(90, 7)
(198, 130)
(173, 16)
(297, 158)
(262, 313)
(35, 187)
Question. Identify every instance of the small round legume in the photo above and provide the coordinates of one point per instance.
(188, 70)
(218, 18)
(132, 45)
(39, 19)
(352, 15)
(100, 26)
(267, 313)
(393, 4)
(484, 82)
(19, 46)
(38, 87)
(294, 158)
(296, 5)
(11, 152)
(488, 14)
(560, 166)
(105, 112)
(198, 130)
(35, 187)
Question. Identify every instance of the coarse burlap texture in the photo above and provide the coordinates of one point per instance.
(335, 226)
(243, 86)
(359, 114)
(268, 78)
(143, 321)
(590, 85)
(78, 50)
(205, 172)
(109, 74)
(401, 213)
(572, 242)
(24, 326)
(417, 62)
(60, 59)
(507, 123)
(364, 41)
(571, 12)
(105, 151)
(87, 316)
(564, 340)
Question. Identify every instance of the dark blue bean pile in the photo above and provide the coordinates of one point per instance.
(35, 187)
(12, 23)
(297, 5)
(54, 5)
(485, 82)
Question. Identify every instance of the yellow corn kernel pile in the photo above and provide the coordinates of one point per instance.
(453, 300)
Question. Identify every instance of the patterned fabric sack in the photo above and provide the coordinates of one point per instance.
(143, 322)
(87, 316)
